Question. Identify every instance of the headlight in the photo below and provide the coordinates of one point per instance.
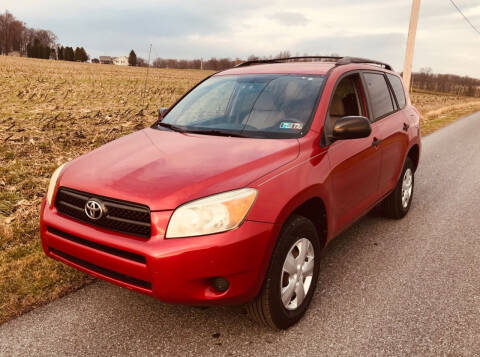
(213, 214)
(53, 183)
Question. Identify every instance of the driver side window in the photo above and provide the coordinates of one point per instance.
(347, 100)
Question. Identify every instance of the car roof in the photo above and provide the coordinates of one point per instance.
(301, 68)
(313, 65)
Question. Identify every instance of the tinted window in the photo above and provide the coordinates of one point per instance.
(397, 86)
(251, 105)
(380, 98)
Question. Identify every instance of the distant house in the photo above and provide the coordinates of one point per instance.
(120, 61)
(106, 60)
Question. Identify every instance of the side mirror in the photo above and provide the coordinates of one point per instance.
(161, 113)
(351, 127)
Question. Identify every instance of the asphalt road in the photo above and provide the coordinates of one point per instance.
(409, 287)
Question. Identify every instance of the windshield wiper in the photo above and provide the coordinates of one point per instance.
(171, 127)
(217, 132)
(201, 131)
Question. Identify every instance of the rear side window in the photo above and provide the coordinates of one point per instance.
(380, 98)
(397, 86)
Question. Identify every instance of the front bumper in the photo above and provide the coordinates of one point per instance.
(173, 270)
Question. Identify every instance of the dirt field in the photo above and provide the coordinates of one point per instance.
(52, 112)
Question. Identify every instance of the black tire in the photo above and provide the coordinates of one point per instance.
(392, 206)
(267, 308)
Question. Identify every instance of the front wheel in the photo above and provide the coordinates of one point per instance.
(291, 278)
(398, 203)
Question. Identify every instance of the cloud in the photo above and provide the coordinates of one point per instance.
(382, 47)
(288, 18)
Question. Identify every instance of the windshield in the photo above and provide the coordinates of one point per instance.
(268, 106)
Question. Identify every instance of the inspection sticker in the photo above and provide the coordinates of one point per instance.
(290, 125)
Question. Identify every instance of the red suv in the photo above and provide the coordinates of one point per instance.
(232, 194)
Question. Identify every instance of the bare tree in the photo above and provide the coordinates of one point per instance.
(426, 79)
(6, 20)
(15, 36)
(46, 37)
(283, 54)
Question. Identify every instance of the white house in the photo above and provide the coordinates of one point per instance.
(120, 61)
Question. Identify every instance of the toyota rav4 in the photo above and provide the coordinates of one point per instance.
(232, 194)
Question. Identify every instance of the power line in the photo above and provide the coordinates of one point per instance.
(465, 17)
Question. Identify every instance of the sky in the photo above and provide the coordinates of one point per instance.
(375, 29)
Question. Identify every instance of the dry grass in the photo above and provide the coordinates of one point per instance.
(439, 109)
(51, 112)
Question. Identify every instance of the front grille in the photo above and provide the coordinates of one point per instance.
(104, 248)
(103, 271)
(121, 216)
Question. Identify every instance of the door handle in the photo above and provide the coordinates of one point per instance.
(376, 141)
(405, 126)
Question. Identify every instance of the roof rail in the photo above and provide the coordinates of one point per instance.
(339, 61)
(289, 59)
(349, 60)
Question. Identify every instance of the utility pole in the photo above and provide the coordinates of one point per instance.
(412, 31)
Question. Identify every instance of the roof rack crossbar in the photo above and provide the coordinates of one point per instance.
(339, 61)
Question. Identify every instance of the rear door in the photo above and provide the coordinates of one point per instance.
(391, 124)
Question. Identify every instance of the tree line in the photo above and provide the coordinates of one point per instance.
(446, 83)
(68, 54)
(15, 36)
(214, 64)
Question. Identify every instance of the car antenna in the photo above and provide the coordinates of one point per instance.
(146, 77)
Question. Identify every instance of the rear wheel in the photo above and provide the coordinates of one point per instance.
(398, 203)
(291, 278)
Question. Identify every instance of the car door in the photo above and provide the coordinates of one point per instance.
(355, 164)
(391, 125)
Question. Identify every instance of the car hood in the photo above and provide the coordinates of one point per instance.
(164, 169)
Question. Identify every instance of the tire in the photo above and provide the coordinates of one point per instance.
(395, 206)
(268, 308)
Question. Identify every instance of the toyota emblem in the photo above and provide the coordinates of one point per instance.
(94, 209)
